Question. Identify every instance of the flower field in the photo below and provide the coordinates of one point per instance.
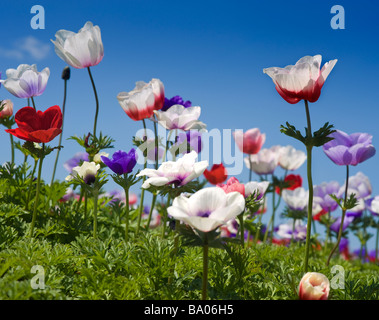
(193, 231)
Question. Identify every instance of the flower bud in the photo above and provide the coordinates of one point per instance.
(66, 73)
(314, 286)
(6, 109)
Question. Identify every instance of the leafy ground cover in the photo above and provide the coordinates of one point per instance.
(147, 266)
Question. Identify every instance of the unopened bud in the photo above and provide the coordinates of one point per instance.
(66, 73)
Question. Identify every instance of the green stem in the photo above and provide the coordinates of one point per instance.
(342, 218)
(258, 230)
(250, 170)
(95, 199)
(85, 204)
(97, 101)
(80, 199)
(327, 232)
(165, 216)
(205, 269)
(12, 149)
(156, 145)
(60, 136)
(143, 180)
(37, 194)
(151, 211)
(293, 229)
(126, 212)
(34, 105)
(31, 184)
(376, 245)
(167, 142)
(310, 188)
(242, 229)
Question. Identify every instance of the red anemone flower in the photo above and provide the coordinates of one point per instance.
(294, 181)
(37, 126)
(217, 174)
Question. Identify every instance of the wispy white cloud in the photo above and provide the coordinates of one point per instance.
(28, 47)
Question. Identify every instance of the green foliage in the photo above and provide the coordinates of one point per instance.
(318, 139)
(148, 266)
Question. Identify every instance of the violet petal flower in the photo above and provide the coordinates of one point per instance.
(121, 162)
(372, 204)
(344, 243)
(322, 195)
(335, 226)
(75, 161)
(168, 103)
(347, 149)
(193, 138)
(26, 81)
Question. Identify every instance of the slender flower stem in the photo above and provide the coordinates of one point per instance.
(156, 144)
(310, 188)
(205, 269)
(143, 179)
(97, 101)
(151, 211)
(156, 167)
(293, 229)
(167, 142)
(165, 216)
(34, 105)
(376, 244)
(80, 199)
(327, 232)
(37, 194)
(273, 213)
(126, 212)
(342, 218)
(259, 221)
(85, 204)
(60, 136)
(242, 229)
(251, 170)
(95, 200)
(12, 149)
(31, 184)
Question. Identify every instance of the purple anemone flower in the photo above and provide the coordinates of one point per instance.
(121, 162)
(344, 243)
(322, 195)
(193, 138)
(175, 100)
(75, 161)
(372, 204)
(347, 149)
(336, 224)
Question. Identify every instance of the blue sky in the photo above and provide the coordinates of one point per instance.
(209, 52)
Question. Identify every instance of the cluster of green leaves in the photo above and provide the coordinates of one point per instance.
(148, 265)
(318, 138)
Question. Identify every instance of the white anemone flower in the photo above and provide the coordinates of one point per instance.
(86, 172)
(208, 208)
(178, 172)
(265, 161)
(180, 117)
(258, 187)
(80, 50)
(290, 158)
(26, 81)
(296, 199)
